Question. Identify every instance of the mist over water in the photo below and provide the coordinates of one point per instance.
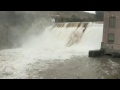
(78, 39)
(17, 26)
(43, 41)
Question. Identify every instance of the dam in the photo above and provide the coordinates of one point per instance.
(58, 43)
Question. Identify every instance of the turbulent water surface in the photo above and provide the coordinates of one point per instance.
(61, 51)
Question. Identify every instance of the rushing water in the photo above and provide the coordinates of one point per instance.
(56, 45)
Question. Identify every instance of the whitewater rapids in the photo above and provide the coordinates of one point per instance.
(55, 43)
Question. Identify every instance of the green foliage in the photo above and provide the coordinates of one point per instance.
(73, 18)
(99, 15)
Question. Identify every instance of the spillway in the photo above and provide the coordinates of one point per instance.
(58, 42)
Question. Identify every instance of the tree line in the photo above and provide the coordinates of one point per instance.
(99, 15)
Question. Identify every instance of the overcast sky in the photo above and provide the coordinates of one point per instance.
(90, 11)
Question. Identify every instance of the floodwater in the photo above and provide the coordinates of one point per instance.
(60, 53)
(80, 68)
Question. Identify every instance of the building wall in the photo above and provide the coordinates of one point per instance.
(115, 30)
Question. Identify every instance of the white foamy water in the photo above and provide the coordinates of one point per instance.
(53, 44)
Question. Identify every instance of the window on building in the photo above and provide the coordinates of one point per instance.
(112, 22)
(111, 38)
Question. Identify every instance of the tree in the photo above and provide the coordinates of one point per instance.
(99, 15)
(75, 18)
